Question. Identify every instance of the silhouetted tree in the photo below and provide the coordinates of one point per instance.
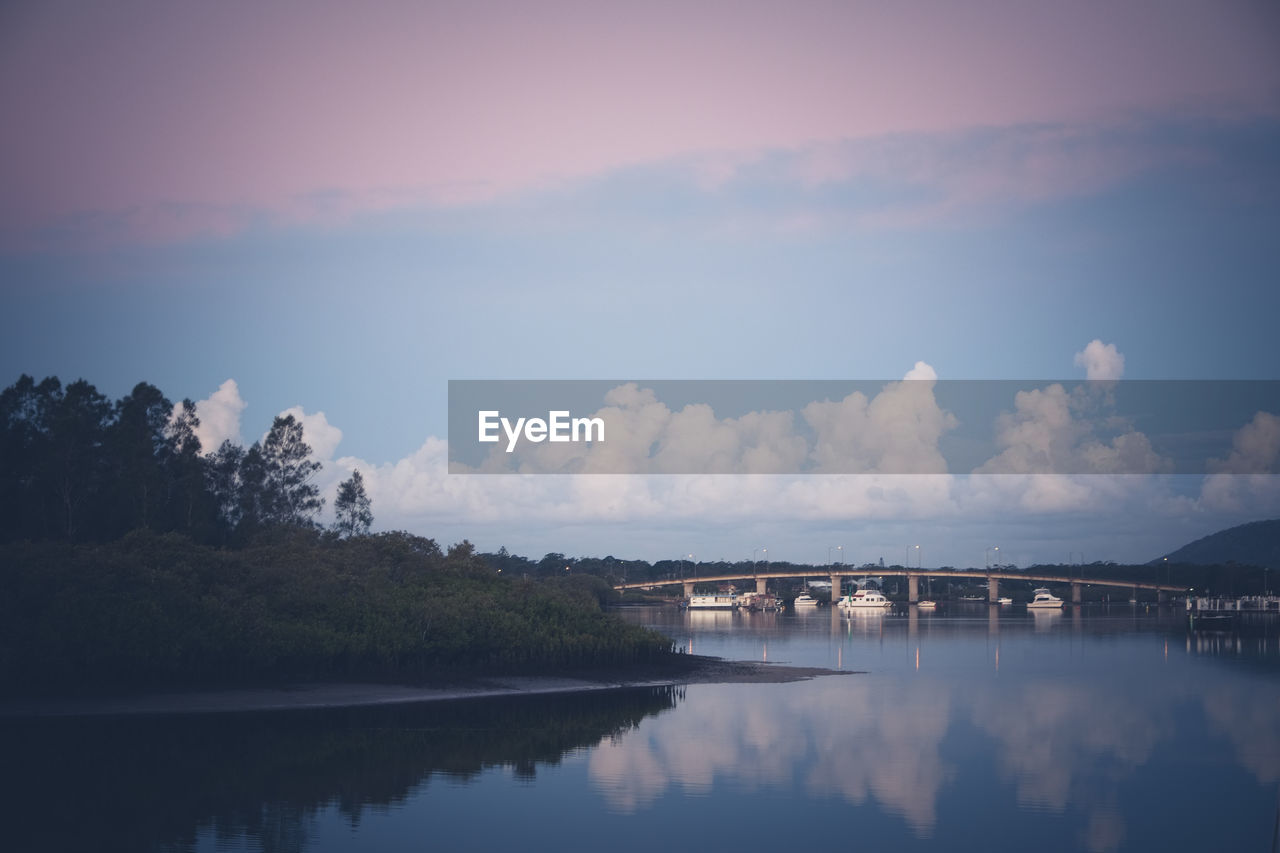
(190, 501)
(138, 452)
(25, 492)
(288, 495)
(76, 464)
(352, 508)
(222, 477)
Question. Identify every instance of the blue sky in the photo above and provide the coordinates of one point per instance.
(713, 220)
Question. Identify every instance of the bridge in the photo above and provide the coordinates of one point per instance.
(913, 577)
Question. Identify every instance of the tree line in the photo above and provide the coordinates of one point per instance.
(76, 466)
(156, 609)
(131, 559)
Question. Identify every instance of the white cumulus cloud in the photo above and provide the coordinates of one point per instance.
(219, 416)
(1247, 479)
(317, 432)
(1101, 361)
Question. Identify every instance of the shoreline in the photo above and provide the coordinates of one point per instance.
(693, 669)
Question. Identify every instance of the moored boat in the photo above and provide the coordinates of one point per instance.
(865, 599)
(927, 605)
(1045, 600)
(804, 599)
(714, 601)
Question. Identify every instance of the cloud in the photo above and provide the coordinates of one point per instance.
(1247, 479)
(317, 432)
(1100, 361)
(219, 415)
(895, 432)
(635, 514)
(1255, 448)
(921, 370)
(560, 91)
(1053, 431)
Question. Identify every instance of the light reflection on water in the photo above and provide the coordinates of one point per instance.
(972, 728)
(1081, 722)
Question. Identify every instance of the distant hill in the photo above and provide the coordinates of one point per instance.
(1254, 544)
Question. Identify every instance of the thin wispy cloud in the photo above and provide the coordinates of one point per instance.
(173, 120)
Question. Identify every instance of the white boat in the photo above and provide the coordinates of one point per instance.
(865, 599)
(1004, 599)
(1045, 600)
(928, 605)
(715, 601)
(804, 599)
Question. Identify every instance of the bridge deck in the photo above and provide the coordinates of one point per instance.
(917, 573)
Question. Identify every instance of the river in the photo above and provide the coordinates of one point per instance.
(975, 728)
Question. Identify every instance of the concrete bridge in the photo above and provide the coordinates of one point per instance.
(913, 577)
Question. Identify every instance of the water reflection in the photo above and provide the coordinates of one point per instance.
(1064, 744)
(1250, 725)
(1054, 746)
(159, 783)
(1045, 620)
(836, 737)
(979, 730)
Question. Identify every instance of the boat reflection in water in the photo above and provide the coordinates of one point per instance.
(1045, 620)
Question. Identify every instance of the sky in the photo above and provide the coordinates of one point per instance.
(334, 209)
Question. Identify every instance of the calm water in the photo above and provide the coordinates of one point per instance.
(969, 729)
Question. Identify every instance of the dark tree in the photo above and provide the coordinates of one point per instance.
(251, 494)
(25, 493)
(77, 421)
(139, 452)
(191, 502)
(222, 477)
(288, 495)
(352, 508)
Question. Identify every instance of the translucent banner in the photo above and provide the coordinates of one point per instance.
(913, 426)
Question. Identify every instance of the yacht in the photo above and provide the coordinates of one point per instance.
(865, 599)
(1045, 600)
(804, 599)
(1004, 599)
(927, 605)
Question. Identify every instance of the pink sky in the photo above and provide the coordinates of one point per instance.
(133, 109)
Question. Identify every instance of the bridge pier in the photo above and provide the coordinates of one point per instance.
(1075, 593)
(836, 592)
(993, 590)
(1162, 597)
(762, 586)
(913, 589)
(688, 589)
